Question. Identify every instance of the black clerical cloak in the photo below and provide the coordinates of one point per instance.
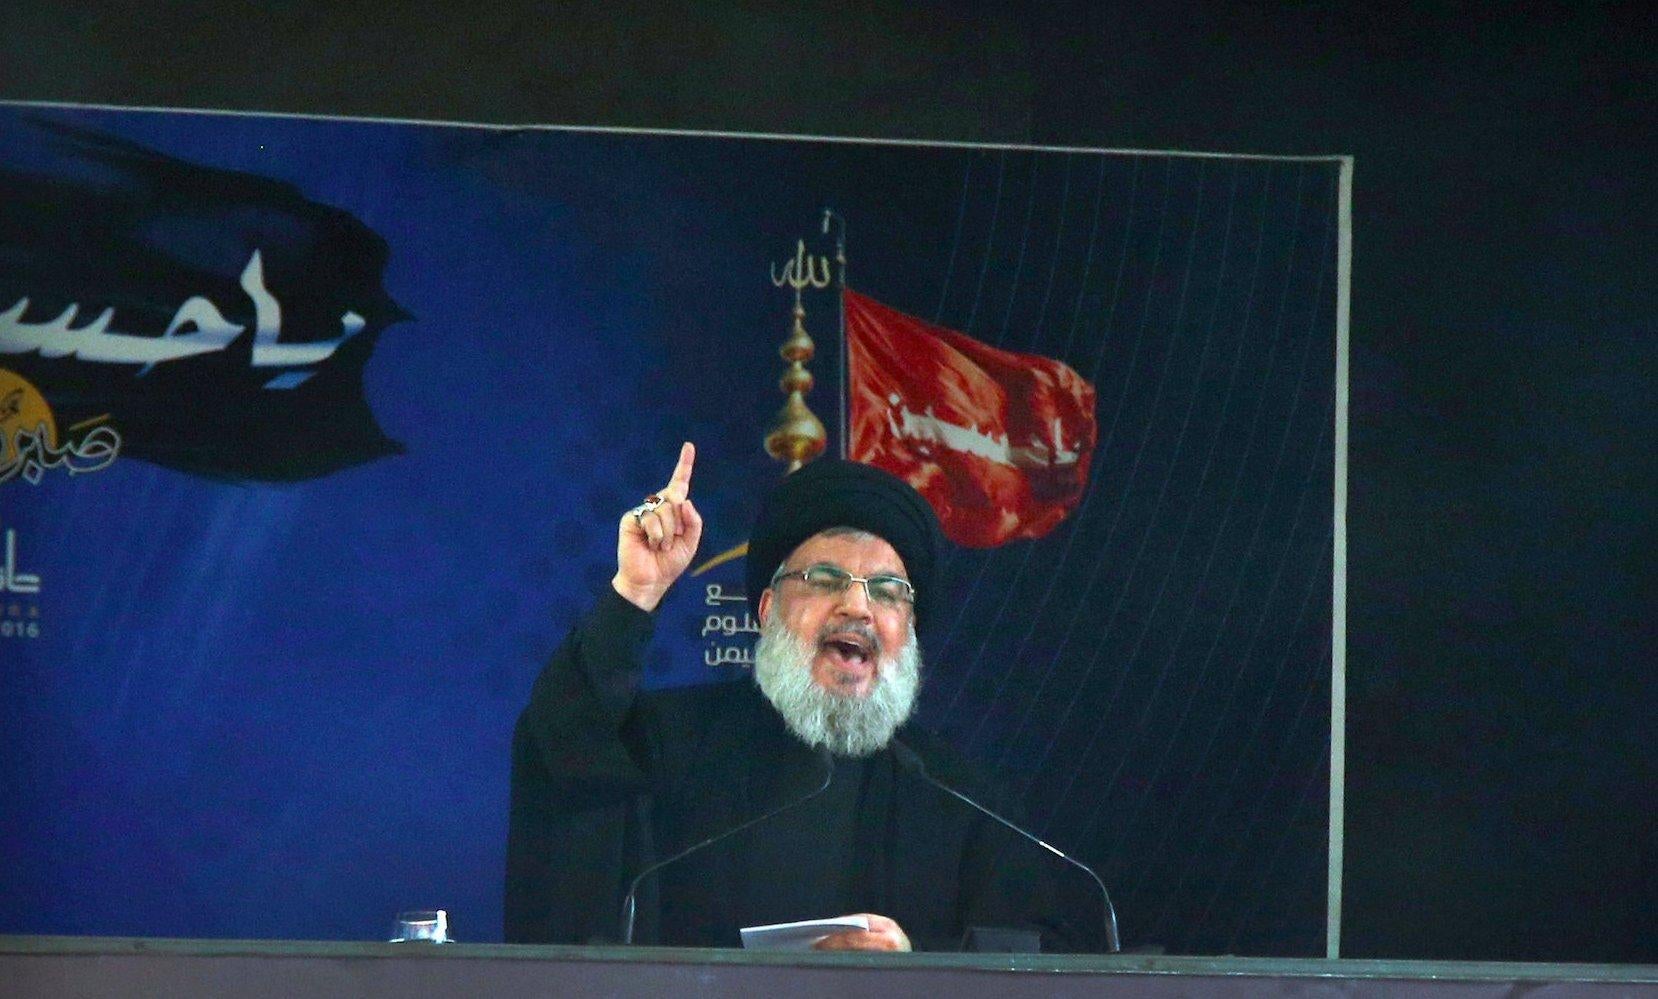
(606, 779)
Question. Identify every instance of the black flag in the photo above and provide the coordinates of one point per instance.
(219, 321)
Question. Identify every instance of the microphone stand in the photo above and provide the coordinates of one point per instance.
(909, 758)
(630, 905)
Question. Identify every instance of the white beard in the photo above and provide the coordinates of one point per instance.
(848, 726)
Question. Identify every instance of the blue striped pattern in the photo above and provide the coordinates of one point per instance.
(1153, 676)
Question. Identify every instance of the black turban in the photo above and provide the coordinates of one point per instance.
(833, 493)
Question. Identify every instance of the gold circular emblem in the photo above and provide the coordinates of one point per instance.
(23, 408)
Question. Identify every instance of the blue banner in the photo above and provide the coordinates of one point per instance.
(317, 433)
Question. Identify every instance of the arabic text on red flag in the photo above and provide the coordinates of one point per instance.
(999, 443)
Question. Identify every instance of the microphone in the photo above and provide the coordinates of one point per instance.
(630, 905)
(909, 759)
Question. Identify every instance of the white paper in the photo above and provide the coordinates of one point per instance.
(798, 936)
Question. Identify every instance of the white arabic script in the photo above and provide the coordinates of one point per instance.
(928, 429)
(721, 655)
(11, 580)
(716, 595)
(198, 327)
(30, 453)
(728, 625)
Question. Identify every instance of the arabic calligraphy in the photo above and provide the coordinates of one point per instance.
(802, 271)
(729, 625)
(726, 626)
(197, 327)
(22, 619)
(31, 453)
(716, 595)
(11, 580)
(928, 429)
(728, 655)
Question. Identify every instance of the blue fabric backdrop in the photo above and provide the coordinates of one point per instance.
(282, 709)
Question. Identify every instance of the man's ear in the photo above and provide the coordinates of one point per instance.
(765, 603)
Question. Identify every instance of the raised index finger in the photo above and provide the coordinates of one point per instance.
(679, 486)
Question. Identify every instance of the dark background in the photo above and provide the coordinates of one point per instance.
(1500, 759)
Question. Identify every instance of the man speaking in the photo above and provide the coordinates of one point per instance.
(678, 817)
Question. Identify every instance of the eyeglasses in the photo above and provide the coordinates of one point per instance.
(827, 580)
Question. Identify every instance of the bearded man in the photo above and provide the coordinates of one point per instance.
(607, 779)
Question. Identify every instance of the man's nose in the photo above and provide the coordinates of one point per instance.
(854, 602)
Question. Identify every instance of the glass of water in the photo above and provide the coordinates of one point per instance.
(421, 926)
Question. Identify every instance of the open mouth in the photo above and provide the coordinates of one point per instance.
(850, 651)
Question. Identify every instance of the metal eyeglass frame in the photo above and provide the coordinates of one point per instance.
(847, 580)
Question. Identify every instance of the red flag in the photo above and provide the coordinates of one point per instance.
(999, 443)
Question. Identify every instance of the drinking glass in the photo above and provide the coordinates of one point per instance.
(421, 926)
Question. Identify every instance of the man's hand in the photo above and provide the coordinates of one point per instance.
(883, 934)
(653, 549)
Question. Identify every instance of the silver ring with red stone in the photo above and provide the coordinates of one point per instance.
(651, 503)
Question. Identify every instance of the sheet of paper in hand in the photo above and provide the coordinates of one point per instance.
(798, 936)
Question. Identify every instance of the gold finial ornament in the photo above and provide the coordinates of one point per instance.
(797, 435)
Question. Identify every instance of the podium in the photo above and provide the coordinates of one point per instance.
(133, 967)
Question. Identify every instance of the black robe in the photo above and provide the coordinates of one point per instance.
(606, 779)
